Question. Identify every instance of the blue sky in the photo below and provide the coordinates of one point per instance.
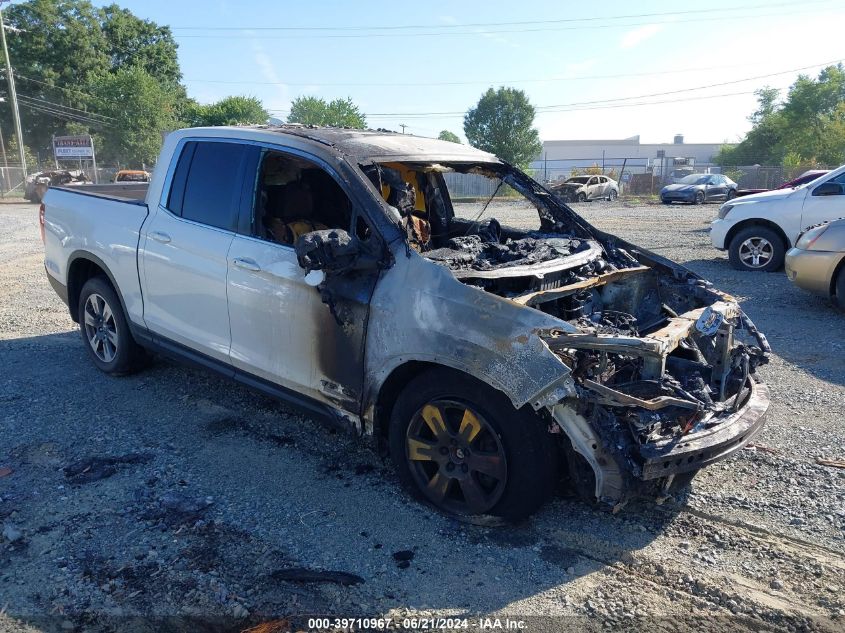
(561, 53)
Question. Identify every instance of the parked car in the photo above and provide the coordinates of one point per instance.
(698, 189)
(807, 176)
(132, 175)
(584, 188)
(38, 183)
(330, 268)
(757, 230)
(817, 261)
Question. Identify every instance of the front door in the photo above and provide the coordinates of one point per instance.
(283, 330)
(184, 248)
(824, 202)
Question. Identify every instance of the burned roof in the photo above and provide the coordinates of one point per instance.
(382, 145)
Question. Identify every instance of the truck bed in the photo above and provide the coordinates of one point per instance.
(97, 222)
(124, 191)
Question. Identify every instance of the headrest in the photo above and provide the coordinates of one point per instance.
(298, 201)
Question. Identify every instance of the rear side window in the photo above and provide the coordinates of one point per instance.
(207, 183)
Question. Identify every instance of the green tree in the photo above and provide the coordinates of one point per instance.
(142, 110)
(446, 135)
(502, 123)
(808, 125)
(230, 111)
(316, 111)
(132, 41)
(62, 45)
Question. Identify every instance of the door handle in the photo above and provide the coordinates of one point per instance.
(158, 236)
(246, 264)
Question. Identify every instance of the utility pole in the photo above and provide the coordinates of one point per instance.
(403, 126)
(15, 112)
(5, 160)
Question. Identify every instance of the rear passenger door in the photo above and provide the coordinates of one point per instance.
(183, 247)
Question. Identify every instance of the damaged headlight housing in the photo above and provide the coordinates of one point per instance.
(809, 237)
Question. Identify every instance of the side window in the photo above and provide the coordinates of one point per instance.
(180, 176)
(210, 188)
(295, 196)
(593, 181)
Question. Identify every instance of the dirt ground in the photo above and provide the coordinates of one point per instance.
(175, 500)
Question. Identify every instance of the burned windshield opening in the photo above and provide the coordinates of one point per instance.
(441, 201)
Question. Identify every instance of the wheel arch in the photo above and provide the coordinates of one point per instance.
(83, 266)
(384, 399)
(839, 270)
(739, 226)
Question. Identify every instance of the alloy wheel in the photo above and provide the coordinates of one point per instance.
(756, 252)
(456, 458)
(100, 328)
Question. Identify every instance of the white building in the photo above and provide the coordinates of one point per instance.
(559, 158)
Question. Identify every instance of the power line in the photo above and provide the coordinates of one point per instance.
(484, 24)
(60, 113)
(64, 89)
(228, 36)
(468, 83)
(554, 107)
(60, 105)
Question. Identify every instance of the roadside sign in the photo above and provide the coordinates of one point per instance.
(73, 147)
(626, 177)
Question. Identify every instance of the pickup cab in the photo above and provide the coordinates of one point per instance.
(758, 229)
(361, 276)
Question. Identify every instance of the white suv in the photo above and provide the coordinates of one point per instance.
(757, 230)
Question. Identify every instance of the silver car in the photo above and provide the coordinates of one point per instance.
(585, 188)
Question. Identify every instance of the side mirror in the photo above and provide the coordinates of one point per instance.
(828, 189)
(328, 250)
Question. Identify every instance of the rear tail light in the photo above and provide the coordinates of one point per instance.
(41, 220)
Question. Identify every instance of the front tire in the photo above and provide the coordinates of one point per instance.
(757, 248)
(105, 330)
(581, 197)
(839, 289)
(699, 197)
(460, 446)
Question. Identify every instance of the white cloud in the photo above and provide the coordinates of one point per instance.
(639, 35)
(268, 71)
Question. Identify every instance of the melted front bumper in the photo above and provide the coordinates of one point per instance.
(700, 448)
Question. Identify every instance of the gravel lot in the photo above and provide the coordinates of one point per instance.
(198, 496)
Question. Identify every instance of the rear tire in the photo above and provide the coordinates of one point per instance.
(757, 248)
(105, 329)
(612, 195)
(508, 466)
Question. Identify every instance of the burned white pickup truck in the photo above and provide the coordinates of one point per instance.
(363, 275)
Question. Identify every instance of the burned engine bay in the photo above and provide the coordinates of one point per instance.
(654, 351)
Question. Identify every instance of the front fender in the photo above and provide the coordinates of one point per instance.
(420, 312)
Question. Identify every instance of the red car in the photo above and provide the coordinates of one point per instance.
(806, 177)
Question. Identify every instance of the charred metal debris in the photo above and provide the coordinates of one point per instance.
(654, 353)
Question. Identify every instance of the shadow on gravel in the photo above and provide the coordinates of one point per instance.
(195, 517)
(802, 328)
